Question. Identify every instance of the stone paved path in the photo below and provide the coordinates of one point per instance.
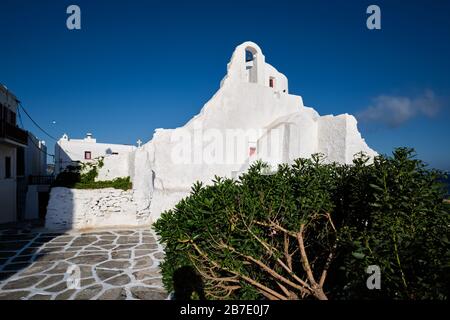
(116, 264)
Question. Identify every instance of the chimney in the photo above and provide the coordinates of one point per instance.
(89, 138)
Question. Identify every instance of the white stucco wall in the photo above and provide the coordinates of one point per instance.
(290, 137)
(80, 209)
(354, 143)
(116, 166)
(143, 182)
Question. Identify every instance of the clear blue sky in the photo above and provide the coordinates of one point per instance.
(139, 65)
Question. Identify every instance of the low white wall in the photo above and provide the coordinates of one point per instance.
(79, 209)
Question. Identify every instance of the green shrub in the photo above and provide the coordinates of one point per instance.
(311, 229)
(394, 217)
(117, 183)
(83, 177)
(66, 179)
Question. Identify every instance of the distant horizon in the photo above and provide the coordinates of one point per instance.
(134, 68)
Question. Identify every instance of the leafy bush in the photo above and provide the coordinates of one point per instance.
(117, 183)
(68, 177)
(394, 217)
(83, 177)
(311, 229)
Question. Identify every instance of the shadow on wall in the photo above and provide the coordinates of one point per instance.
(61, 209)
(63, 159)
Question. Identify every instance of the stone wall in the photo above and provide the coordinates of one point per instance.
(80, 209)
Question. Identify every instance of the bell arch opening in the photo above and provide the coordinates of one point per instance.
(251, 66)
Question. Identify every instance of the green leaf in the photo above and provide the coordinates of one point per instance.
(358, 255)
(374, 186)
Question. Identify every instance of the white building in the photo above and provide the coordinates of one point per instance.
(252, 116)
(254, 105)
(23, 164)
(11, 138)
(72, 151)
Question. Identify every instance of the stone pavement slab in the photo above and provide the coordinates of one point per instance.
(106, 265)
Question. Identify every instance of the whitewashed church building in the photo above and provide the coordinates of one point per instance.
(69, 151)
(252, 116)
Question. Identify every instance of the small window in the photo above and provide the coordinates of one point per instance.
(87, 155)
(272, 82)
(7, 167)
(252, 151)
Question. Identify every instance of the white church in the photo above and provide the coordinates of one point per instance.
(252, 116)
(72, 152)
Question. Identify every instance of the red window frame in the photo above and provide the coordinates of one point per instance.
(87, 155)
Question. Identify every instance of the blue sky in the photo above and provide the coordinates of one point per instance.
(139, 65)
